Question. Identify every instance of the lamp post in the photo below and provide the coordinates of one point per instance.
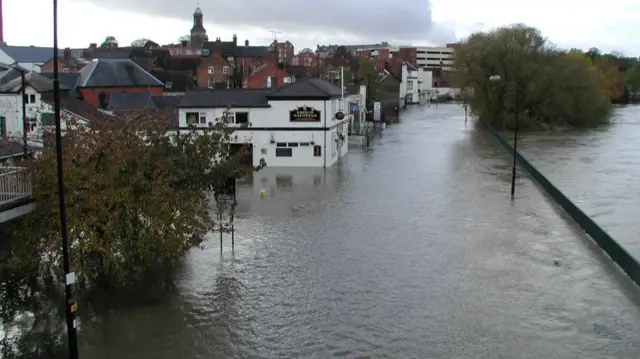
(23, 85)
(70, 305)
(496, 78)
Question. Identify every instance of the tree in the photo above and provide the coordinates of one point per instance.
(611, 77)
(369, 77)
(342, 53)
(632, 80)
(136, 198)
(142, 42)
(109, 41)
(553, 87)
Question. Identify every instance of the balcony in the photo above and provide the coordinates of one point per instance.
(15, 193)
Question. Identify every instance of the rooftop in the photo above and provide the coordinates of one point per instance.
(116, 73)
(39, 83)
(222, 98)
(33, 54)
(307, 88)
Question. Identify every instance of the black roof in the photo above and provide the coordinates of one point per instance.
(299, 71)
(174, 81)
(183, 64)
(162, 57)
(307, 88)
(36, 80)
(220, 98)
(68, 80)
(167, 101)
(116, 73)
(9, 148)
(131, 101)
(229, 48)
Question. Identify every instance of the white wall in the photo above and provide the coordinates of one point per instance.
(274, 129)
(430, 57)
(11, 110)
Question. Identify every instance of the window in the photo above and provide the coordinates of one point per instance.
(293, 144)
(3, 126)
(178, 52)
(287, 80)
(65, 70)
(284, 152)
(29, 98)
(212, 70)
(304, 143)
(242, 117)
(409, 85)
(196, 118)
(212, 83)
(281, 144)
(317, 151)
(168, 84)
(198, 52)
(230, 58)
(189, 52)
(225, 70)
(32, 124)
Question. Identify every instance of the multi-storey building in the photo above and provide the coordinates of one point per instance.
(435, 57)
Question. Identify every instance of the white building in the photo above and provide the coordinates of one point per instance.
(294, 126)
(434, 57)
(416, 85)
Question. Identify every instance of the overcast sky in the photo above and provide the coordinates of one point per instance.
(608, 25)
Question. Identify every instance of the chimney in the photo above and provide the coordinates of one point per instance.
(218, 46)
(235, 40)
(67, 54)
(246, 42)
(93, 46)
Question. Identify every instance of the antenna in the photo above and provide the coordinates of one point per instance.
(275, 34)
(275, 40)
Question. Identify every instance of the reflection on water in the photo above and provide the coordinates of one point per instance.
(598, 170)
(411, 249)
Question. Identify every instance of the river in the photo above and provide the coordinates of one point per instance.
(598, 169)
(412, 249)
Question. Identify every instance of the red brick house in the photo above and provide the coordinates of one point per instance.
(103, 77)
(307, 59)
(284, 51)
(268, 75)
(66, 64)
(214, 71)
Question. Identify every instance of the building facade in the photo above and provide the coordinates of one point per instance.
(294, 126)
(435, 57)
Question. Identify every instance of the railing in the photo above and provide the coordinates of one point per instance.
(14, 184)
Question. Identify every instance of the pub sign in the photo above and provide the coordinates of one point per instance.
(304, 114)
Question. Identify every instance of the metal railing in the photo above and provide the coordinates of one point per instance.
(14, 184)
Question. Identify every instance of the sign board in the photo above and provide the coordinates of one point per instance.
(376, 111)
(304, 114)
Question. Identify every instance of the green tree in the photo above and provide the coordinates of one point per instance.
(368, 76)
(143, 42)
(137, 198)
(109, 41)
(553, 87)
(632, 79)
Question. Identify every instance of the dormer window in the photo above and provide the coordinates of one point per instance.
(230, 58)
(168, 84)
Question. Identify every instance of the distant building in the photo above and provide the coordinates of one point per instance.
(435, 57)
(31, 57)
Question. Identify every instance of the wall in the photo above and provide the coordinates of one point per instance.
(91, 94)
(48, 67)
(430, 57)
(273, 129)
(11, 110)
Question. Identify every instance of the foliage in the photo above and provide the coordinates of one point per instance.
(632, 79)
(342, 53)
(143, 42)
(109, 41)
(369, 77)
(610, 77)
(136, 198)
(552, 87)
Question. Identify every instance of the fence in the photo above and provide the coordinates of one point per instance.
(626, 261)
(14, 184)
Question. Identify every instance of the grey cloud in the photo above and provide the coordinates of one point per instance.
(408, 20)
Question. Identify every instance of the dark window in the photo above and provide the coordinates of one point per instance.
(242, 117)
(48, 119)
(284, 152)
(32, 124)
(3, 126)
(32, 98)
(304, 143)
(317, 151)
(293, 144)
(281, 144)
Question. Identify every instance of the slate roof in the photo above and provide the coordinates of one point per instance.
(299, 71)
(78, 107)
(116, 73)
(221, 98)
(67, 80)
(309, 88)
(132, 101)
(228, 47)
(39, 83)
(167, 101)
(9, 148)
(183, 64)
(179, 81)
(231, 49)
(9, 75)
(34, 54)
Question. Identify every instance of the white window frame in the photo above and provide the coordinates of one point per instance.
(211, 83)
(225, 70)
(211, 70)
(202, 118)
(409, 85)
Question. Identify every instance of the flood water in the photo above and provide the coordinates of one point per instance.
(597, 169)
(412, 249)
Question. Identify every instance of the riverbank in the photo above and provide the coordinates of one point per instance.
(597, 169)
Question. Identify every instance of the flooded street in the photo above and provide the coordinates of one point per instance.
(597, 169)
(412, 249)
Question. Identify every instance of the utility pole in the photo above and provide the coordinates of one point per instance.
(70, 278)
(275, 44)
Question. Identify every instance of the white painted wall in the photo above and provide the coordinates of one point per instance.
(11, 110)
(265, 142)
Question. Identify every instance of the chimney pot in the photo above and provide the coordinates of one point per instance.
(246, 42)
(93, 46)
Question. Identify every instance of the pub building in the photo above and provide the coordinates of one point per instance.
(300, 125)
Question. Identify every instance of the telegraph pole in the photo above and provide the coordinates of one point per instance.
(70, 278)
(275, 44)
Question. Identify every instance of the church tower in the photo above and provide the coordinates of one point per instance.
(198, 32)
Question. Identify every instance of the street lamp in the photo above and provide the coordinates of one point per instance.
(496, 78)
(70, 305)
(22, 72)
